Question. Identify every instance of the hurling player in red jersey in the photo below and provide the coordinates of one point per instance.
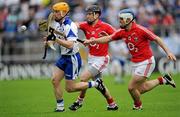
(98, 58)
(137, 39)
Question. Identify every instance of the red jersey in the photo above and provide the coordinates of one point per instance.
(137, 40)
(95, 31)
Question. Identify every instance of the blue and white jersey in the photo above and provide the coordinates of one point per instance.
(69, 28)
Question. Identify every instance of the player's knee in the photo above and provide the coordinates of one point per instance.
(84, 78)
(143, 88)
(55, 82)
(130, 88)
(69, 89)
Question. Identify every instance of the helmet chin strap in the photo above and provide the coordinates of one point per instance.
(91, 22)
(123, 27)
(59, 20)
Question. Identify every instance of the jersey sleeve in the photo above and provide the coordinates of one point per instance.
(109, 29)
(82, 25)
(148, 34)
(117, 35)
(71, 32)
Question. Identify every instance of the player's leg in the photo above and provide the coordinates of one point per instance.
(78, 103)
(140, 72)
(151, 84)
(98, 65)
(133, 86)
(58, 75)
(139, 85)
(73, 86)
(94, 68)
(96, 75)
(161, 80)
(73, 65)
(110, 101)
(85, 76)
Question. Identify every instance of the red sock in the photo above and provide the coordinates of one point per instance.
(110, 100)
(138, 103)
(160, 80)
(81, 95)
(80, 99)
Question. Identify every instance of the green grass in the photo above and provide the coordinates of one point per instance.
(34, 98)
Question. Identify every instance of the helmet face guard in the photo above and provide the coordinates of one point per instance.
(124, 15)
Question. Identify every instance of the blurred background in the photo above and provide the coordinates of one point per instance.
(21, 52)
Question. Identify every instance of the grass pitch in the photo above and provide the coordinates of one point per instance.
(35, 98)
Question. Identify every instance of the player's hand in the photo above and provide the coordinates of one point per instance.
(87, 42)
(49, 43)
(46, 41)
(51, 37)
(171, 56)
(90, 41)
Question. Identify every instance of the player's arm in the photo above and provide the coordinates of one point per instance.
(105, 39)
(65, 43)
(151, 36)
(77, 24)
(54, 39)
(71, 37)
(165, 48)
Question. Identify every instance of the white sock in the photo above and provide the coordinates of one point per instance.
(60, 104)
(164, 81)
(80, 100)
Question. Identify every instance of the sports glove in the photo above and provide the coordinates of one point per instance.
(51, 37)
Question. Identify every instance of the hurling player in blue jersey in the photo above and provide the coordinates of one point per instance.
(69, 64)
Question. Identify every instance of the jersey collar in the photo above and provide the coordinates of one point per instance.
(64, 20)
(134, 25)
(98, 23)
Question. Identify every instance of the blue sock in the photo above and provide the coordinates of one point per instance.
(89, 84)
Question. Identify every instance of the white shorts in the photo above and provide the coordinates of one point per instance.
(144, 68)
(99, 62)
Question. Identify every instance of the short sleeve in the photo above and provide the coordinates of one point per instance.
(71, 31)
(82, 25)
(148, 34)
(117, 35)
(109, 29)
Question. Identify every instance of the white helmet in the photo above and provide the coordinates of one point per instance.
(126, 14)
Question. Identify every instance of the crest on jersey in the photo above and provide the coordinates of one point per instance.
(135, 39)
